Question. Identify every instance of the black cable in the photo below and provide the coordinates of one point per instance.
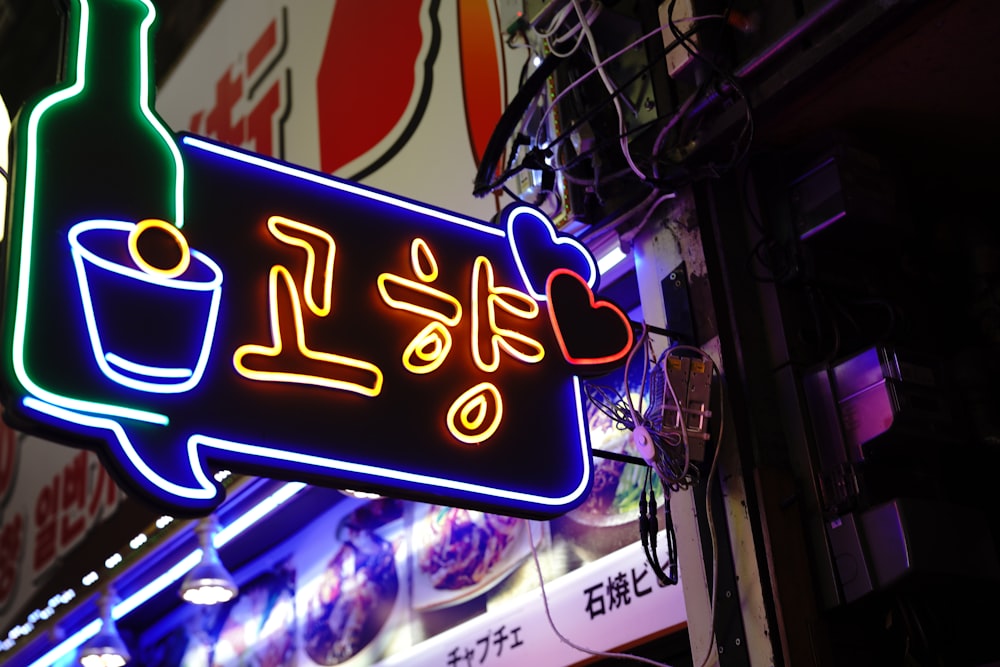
(611, 403)
(649, 529)
(618, 456)
(484, 184)
(739, 153)
(501, 131)
(620, 90)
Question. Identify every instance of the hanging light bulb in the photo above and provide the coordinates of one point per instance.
(106, 648)
(208, 582)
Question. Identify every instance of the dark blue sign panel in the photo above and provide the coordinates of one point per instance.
(180, 306)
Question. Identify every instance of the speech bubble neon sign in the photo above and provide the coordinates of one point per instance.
(306, 327)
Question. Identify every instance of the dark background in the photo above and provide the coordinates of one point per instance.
(30, 42)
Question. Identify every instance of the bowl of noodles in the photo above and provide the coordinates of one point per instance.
(460, 554)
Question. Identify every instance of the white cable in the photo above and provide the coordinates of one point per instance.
(617, 54)
(611, 88)
(562, 637)
(591, 15)
(636, 421)
(576, 82)
(631, 234)
(555, 23)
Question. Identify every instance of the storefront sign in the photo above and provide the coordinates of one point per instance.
(178, 304)
(392, 583)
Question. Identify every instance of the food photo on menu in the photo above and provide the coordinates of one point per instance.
(460, 554)
(258, 627)
(352, 608)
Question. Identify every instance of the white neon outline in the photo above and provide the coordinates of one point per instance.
(526, 499)
(81, 255)
(424, 481)
(28, 218)
(512, 215)
(143, 369)
(329, 182)
(206, 489)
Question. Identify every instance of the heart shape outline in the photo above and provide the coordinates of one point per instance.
(596, 305)
(517, 216)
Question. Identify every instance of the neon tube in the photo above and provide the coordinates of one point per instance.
(174, 574)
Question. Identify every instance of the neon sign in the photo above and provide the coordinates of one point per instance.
(183, 305)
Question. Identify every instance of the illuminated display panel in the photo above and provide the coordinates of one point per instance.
(307, 328)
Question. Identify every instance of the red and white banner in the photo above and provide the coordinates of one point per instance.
(51, 497)
(400, 96)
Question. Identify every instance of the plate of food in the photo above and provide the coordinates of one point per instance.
(259, 626)
(350, 608)
(459, 554)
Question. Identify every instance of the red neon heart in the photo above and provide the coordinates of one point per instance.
(590, 332)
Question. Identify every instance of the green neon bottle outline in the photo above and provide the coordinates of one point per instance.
(82, 26)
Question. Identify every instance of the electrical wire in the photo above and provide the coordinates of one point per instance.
(592, 41)
(591, 15)
(555, 23)
(667, 470)
(745, 138)
(627, 414)
(522, 104)
(594, 70)
(493, 153)
(563, 638)
(648, 530)
(594, 108)
(541, 156)
(627, 237)
(618, 93)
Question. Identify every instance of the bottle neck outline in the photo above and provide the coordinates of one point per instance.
(130, 87)
(31, 145)
(109, 51)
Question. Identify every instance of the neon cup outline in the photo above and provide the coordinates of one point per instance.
(165, 380)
